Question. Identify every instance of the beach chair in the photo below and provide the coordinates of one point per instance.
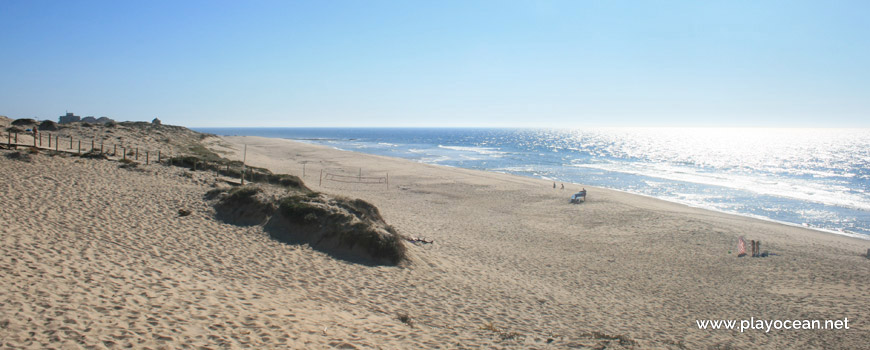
(578, 196)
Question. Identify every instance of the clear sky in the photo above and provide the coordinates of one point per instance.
(439, 63)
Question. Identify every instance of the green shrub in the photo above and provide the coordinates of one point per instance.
(23, 122)
(297, 208)
(289, 181)
(24, 157)
(305, 210)
(242, 206)
(240, 193)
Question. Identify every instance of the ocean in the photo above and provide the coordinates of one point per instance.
(816, 178)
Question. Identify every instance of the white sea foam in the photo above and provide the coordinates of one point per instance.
(794, 188)
(491, 151)
(816, 176)
(726, 210)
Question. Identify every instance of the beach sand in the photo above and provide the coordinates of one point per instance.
(95, 256)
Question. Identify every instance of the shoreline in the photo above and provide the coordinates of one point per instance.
(813, 231)
(511, 250)
(844, 233)
(749, 216)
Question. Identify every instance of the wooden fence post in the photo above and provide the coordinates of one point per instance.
(70, 143)
(101, 146)
(244, 163)
(16, 138)
(158, 156)
(35, 136)
(92, 145)
(137, 153)
(146, 157)
(115, 150)
(124, 151)
(49, 140)
(57, 142)
(321, 178)
(9, 138)
(80, 146)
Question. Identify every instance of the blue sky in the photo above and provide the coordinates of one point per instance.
(440, 63)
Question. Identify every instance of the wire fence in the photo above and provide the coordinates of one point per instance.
(337, 178)
(344, 179)
(99, 148)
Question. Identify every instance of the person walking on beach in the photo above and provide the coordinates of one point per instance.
(563, 186)
(554, 184)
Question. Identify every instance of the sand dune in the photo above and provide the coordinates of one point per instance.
(95, 256)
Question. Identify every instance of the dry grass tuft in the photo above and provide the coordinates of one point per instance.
(20, 156)
(243, 206)
(351, 222)
(406, 319)
(623, 339)
(128, 164)
(503, 335)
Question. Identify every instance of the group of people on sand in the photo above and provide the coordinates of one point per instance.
(563, 187)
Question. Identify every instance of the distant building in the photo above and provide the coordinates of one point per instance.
(89, 119)
(68, 118)
(105, 120)
(156, 121)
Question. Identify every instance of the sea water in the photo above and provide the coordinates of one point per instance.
(817, 178)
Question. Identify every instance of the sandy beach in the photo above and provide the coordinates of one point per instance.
(96, 256)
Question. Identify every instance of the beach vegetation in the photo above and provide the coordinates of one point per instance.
(245, 206)
(289, 181)
(203, 153)
(622, 339)
(405, 318)
(243, 192)
(48, 125)
(94, 154)
(20, 156)
(23, 122)
(297, 208)
(502, 334)
(128, 164)
(337, 225)
(215, 193)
